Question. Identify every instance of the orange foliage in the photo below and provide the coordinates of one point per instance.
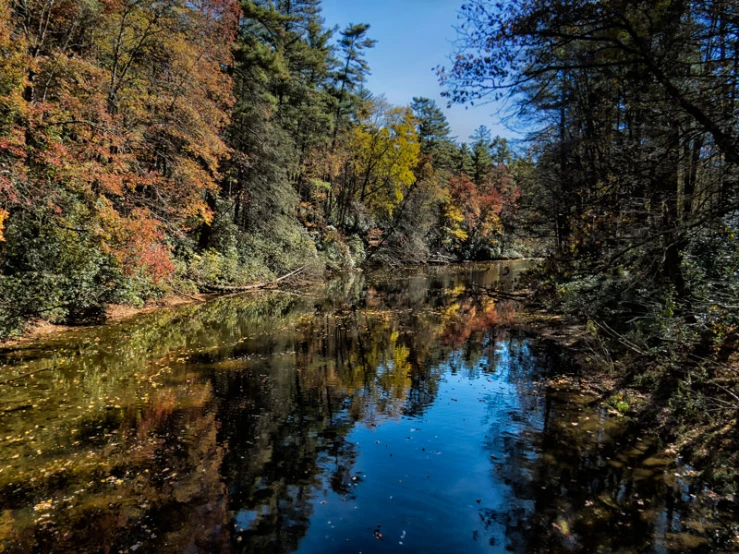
(3, 217)
(471, 316)
(122, 107)
(136, 242)
(474, 213)
(479, 206)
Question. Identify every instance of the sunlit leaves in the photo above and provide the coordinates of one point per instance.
(385, 152)
(472, 213)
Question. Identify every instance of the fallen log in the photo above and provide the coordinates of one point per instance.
(500, 294)
(254, 286)
(440, 260)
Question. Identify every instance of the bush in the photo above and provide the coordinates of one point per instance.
(60, 273)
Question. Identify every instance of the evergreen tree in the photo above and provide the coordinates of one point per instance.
(482, 161)
(462, 160)
(500, 151)
(352, 70)
(433, 131)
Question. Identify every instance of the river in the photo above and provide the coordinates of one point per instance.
(398, 411)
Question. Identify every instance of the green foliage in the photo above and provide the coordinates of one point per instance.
(620, 402)
(212, 267)
(711, 265)
(335, 250)
(433, 132)
(53, 270)
(480, 158)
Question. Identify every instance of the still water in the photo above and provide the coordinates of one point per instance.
(391, 412)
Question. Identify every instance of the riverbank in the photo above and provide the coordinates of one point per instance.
(41, 329)
(38, 328)
(648, 395)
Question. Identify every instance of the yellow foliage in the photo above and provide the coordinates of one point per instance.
(385, 151)
(454, 213)
(450, 313)
(459, 234)
(455, 222)
(3, 216)
(401, 364)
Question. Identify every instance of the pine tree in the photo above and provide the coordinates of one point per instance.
(353, 69)
(433, 132)
(462, 160)
(482, 161)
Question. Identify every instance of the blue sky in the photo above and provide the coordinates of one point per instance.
(414, 36)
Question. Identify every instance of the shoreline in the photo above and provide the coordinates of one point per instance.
(706, 442)
(40, 329)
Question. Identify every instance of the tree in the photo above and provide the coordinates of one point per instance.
(500, 151)
(353, 69)
(633, 167)
(643, 57)
(472, 213)
(111, 137)
(462, 160)
(433, 131)
(482, 161)
(384, 152)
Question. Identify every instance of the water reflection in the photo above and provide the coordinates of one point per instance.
(386, 413)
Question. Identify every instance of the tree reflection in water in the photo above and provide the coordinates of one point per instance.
(285, 423)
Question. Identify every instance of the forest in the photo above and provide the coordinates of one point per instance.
(152, 148)
(632, 107)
